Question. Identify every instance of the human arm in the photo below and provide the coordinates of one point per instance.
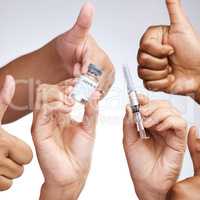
(155, 163)
(14, 153)
(64, 57)
(64, 147)
(169, 55)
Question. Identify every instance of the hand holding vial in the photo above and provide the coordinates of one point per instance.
(63, 146)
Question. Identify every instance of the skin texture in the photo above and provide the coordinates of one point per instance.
(64, 146)
(157, 170)
(64, 57)
(169, 56)
(189, 188)
(14, 153)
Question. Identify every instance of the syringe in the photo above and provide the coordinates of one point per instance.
(134, 103)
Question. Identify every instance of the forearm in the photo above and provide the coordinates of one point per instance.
(50, 192)
(41, 66)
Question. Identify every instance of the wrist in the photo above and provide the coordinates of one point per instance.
(54, 62)
(54, 192)
(145, 193)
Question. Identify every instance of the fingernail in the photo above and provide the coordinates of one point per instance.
(171, 52)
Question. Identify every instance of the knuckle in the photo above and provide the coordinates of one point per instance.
(19, 171)
(151, 28)
(143, 58)
(146, 44)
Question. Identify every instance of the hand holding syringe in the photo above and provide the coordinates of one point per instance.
(134, 103)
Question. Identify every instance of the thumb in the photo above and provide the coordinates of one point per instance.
(129, 128)
(84, 22)
(6, 94)
(176, 13)
(194, 148)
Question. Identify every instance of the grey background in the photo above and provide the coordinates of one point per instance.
(118, 26)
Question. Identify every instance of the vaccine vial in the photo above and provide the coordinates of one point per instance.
(87, 84)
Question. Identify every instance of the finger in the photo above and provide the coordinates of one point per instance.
(175, 123)
(176, 13)
(43, 118)
(152, 106)
(107, 79)
(19, 151)
(143, 100)
(86, 61)
(160, 85)
(194, 148)
(152, 43)
(10, 169)
(129, 128)
(151, 62)
(157, 49)
(5, 183)
(152, 75)
(77, 70)
(6, 94)
(91, 115)
(51, 93)
(66, 83)
(158, 116)
(84, 22)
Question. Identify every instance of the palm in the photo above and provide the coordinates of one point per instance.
(63, 143)
(158, 153)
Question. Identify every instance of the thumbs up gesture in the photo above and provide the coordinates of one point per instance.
(169, 56)
(76, 49)
(14, 153)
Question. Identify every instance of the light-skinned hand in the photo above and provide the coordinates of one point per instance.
(77, 49)
(169, 55)
(64, 146)
(155, 163)
(14, 153)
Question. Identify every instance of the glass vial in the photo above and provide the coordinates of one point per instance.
(87, 84)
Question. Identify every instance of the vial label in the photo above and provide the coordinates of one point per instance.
(84, 88)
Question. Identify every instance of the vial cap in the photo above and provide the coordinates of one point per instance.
(93, 69)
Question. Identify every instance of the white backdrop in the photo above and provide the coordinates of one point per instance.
(118, 26)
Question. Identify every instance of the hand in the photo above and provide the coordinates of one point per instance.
(64, 146)
(77, 49)
(169, 56)
(155, 163)
(14, 153)
(190, 187)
